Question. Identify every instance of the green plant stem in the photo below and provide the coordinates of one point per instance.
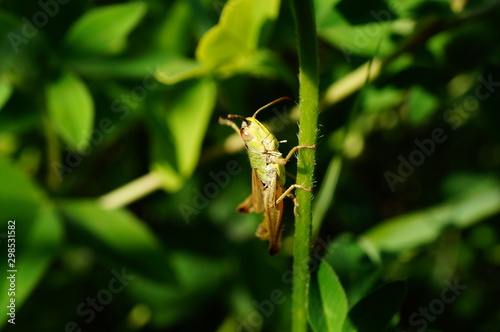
(131, 191)
(303, 12)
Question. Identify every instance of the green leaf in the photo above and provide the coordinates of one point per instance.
(196, 103)
(361, 40)
(5, 92)
(34, 252)
(381, 99)
(104, 30)
(316, 317)
(178, 69)
(420, 227)
(232, 45)
(238, 32)
(119, 235)
(71, 110)
(375, 311)
(187, 117)
(333, 297)
(171, 303)
(140, 67)
(324, 198)
(173, 33)
(261, 64)
(19, 196)
(43, 240)
(38, 232)
(323, 8)
(353, 267)
(421, 104)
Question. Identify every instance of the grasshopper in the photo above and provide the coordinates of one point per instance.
(268, 175)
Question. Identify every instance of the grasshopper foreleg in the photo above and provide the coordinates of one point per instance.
(283, 161)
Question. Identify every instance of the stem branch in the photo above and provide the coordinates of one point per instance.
(131, 192)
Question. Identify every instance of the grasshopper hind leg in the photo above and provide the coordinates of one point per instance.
(246, 206)
(288, 193)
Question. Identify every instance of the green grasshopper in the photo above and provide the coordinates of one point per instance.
(268, 175)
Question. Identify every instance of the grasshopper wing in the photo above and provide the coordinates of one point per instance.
(270, 228)
(253, 203)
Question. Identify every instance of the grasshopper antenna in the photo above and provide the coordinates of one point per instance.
(270, 104)
(234, 116)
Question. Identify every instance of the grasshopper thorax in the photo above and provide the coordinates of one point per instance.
(257, 137)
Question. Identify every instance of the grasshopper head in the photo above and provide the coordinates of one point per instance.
(256, 136)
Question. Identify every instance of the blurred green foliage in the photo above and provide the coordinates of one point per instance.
(102, 103)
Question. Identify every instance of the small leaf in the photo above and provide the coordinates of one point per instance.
(381, 99)
(38, 231)
(238, 31)
(178, 130)
(375, 311)
(71, 109)
(104, 30)
(333, 297)
(19, 196)
(5, 92)
(121, 236)
(421, 104)
(188, 120)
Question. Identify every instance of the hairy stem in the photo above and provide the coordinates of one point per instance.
(303, 12)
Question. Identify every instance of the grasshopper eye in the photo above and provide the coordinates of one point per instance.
(245, 134)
